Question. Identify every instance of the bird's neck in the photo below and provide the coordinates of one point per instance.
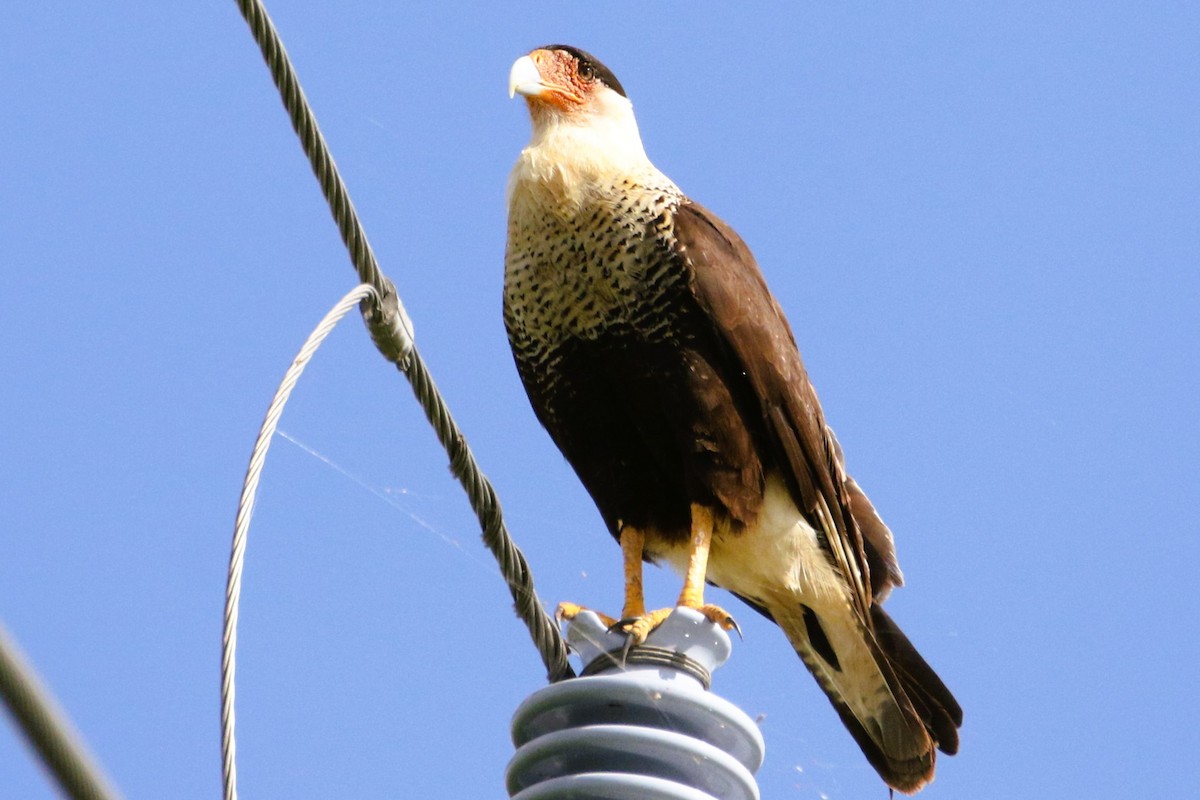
(568, 160)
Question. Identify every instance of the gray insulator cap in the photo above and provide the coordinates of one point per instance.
(648, 730)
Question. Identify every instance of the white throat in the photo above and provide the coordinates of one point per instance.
(567, 154)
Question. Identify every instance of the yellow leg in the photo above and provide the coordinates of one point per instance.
(692, 594)
(635, 621)
(639, 625)
(632, 543)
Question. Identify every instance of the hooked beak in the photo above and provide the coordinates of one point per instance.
(525, 79)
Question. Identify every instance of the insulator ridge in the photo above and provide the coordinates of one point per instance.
(647, 729)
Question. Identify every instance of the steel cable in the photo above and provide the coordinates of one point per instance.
(392, 332)
(47, 728)
(241, 528)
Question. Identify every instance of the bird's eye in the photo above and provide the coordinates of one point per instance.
(586, 72)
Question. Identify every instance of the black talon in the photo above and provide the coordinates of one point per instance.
(625, 650)
(620, 625)
(737, 628)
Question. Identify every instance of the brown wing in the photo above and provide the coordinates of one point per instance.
(917, 712)
(729, 288)
(877, 536)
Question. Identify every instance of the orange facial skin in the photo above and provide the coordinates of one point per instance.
(566, 89)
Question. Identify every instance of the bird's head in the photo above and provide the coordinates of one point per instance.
(560, 81)
(576, 104)
(583, 125)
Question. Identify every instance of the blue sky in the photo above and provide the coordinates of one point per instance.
(980, 219)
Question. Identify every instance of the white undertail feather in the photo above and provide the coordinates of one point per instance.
(779, 564)
(777, 558)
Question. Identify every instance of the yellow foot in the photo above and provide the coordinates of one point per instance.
(638, 628)
(570, 611)
(719, 616)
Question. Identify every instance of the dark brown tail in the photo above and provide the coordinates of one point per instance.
(939, 711)
(892, 702)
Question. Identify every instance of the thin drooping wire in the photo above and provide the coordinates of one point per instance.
(241, 528)
(391, 330)
(47, 728)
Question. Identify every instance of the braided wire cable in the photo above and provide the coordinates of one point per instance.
(313, 143)
(391, 330)
(47, 728)
(241, 528)
(482, 496)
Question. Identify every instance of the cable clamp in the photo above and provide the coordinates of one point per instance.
(389, 325)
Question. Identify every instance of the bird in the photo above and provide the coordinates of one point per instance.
(662, 367)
